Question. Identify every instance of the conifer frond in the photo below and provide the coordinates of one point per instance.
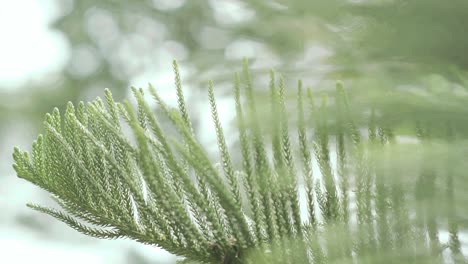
(117, 172)
(73, 223)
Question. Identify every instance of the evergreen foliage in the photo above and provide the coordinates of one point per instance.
(117, 173)
(399, 40)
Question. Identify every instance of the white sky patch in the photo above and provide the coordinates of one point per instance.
(229, 12)
(28, 48)
(40, 250)
(13, 252)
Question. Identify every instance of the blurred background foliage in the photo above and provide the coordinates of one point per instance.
(372, 45)
(406, 59)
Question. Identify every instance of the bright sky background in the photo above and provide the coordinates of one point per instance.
(28, 48)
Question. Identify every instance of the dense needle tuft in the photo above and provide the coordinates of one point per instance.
(116, 172)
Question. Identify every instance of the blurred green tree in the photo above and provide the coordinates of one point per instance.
(399, 41)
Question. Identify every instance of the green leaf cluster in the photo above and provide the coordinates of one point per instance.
(117, 173)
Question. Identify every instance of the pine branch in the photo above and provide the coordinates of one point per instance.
(117, 173)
